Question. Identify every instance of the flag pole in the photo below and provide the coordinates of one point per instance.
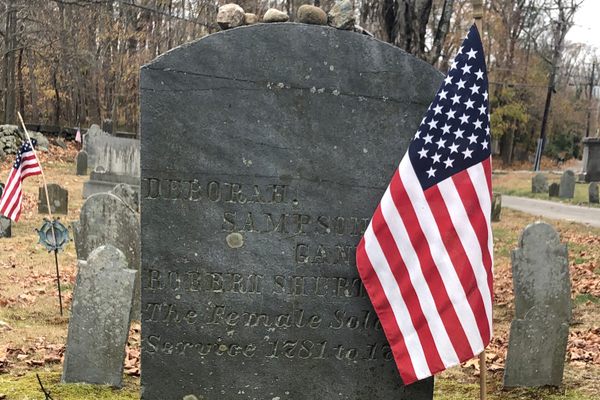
(478, 16)
(49, 209)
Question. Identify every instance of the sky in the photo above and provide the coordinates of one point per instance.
(587, 26)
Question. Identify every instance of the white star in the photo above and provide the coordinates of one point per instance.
(448, 80)
(453, 65)
(482, 109)
(450, 114)
(472, 138)
(461, 84)
(479, 74)
(469, 104)
(466, 69)
(487, 130)
(459, 133)
(431, 172)
(485, 95)
(455, 99)
(418, 134)
(474, 89)
(436, 158)
(422, 153)
(484, 144)
(428, 138)
(460, 50)
(432, 124)
(448, 162)
(471, 53)
(437, 109)
(453, 148)
(464, 119)
(478, 124)
(443, 94)
(440, 143)
(446, 129)
(467, 153)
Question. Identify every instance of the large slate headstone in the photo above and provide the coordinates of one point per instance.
(567, 185)
(100, 316)
(252, 212)
(59, 199)
(107, 219)
(82, 163)
(542, 287)
(539, 183)
(5, 223)
(553, 189)
(593, 194)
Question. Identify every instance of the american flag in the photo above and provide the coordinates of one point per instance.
(426, 257)
(25, 165)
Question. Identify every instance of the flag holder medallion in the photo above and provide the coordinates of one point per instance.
(54, 236)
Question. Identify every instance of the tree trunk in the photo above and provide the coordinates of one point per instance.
(9, 63)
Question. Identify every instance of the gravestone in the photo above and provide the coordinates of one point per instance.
(591, 159)
(106, 219)
(82, 163)
(567, 185)
(593, 193)
(539, 183)
(5, 223)
(251, 217)
(553, 189)
(59, 199)
(100, 316)
(496, 207)
(128, 194)
(542, 287)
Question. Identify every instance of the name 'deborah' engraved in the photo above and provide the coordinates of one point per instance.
(213, 191)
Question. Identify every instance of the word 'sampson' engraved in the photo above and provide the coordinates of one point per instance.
(296, 223)
(213, 191)
(199, 281)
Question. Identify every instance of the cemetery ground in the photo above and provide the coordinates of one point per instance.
(33, 334)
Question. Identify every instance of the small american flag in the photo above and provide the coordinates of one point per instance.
(25, 165)
(426, 257)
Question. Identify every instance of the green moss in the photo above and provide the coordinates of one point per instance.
(586, 297)
(26, 387)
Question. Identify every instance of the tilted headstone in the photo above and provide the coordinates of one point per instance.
(593, 193)
(567, 185)
(252, 212)
(106, 219)
(496, 207)
(100, 316)
(5, 223)
(553, 189)
(542, 288)
(59, 199)
(82, 163)
(539, 183)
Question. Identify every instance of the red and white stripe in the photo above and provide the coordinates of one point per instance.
(426, 261)
(12, 196)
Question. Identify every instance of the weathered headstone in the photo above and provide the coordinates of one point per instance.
(59, 199)
(594, 197)
(496, 207)
(128, 194)
(251, 217)
(107, 219)
(100, 316)
(553, 189)
(82, 163)
(539, 183)
(567, 185)
(5, 223)
(542, 287)
(591, 159)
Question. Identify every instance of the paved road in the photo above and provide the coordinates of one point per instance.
(553, 210)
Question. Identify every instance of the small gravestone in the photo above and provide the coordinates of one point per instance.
(496, 207)
(107, 219)
(553, 189)
(5, 223)
(82, 163)
(539, 183)
(567, 185)
(542, 287)
(100, 316)
(593, 193)
(59, 199)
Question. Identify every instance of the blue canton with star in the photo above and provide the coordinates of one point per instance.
(455, 133)
(25, 147)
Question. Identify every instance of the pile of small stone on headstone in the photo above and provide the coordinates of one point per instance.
(11, 138)
(341, 16)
